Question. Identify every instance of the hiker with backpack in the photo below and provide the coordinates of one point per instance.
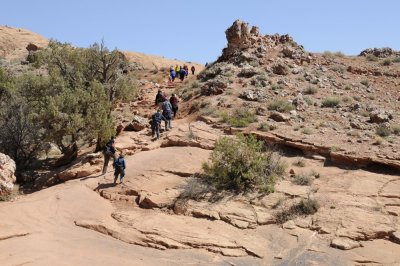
(174, 103)
(182, 74)
(186, 68)
(172, 74)
(193, 69)
(119, 166)
(156, 119)
(167, 113)
(109, 152)
(159, 98)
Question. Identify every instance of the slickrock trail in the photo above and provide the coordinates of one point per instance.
(161, 215)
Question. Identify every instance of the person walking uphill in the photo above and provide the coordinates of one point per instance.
(109, 152)
(182, 74)
(167, 113)
(186, 68)
(159, 99)
(172, 74)
(119, 166)
(156, 119)
(174, 103)
(193, 69)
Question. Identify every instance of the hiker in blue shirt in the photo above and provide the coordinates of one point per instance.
(119, 166)
(156, 119)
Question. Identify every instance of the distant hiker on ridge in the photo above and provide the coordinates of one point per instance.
(193, 69)
(109, 152)
(186, 68)
(119, 166)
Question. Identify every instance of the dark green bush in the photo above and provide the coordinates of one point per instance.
(243, 163)
(304, 207)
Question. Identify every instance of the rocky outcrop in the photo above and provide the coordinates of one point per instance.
(88, 165)
(238, 36)
(214, 87)
(380, 116)
(7, 171)
(380, 52)
(138, 123)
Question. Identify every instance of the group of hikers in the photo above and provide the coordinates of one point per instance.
(180, 72)
(166, 110)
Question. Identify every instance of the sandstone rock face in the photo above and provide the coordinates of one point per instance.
(238, 36)
(7, 177)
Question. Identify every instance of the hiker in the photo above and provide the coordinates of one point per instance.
(193, 69)
(172, 74)
(119, 166)
(182, 74)
(174, 103)
(167, 113)
(177, 69)
(159, 98)
(156, 119)
(109, 152)
(206, 65)
(186, 68)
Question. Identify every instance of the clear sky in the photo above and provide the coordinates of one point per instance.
(194, 30)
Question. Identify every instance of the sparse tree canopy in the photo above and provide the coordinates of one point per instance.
(72, 104)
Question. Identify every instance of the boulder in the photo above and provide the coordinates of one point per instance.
(380, 116)
(138, 123)
(214, 87)
(280, 69)
(279, 117)
(7, 174)
(300, 103)
(253, 95)
(344, 243)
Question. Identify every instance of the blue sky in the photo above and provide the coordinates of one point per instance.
(194, 30)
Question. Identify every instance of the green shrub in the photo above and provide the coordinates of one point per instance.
(304, 207)
(396, 129)
(383, 131)
(243, 163)
(372, 58)
(387, 62)
(339, 69)
(307, 131)
(347, 99)
(240, 118)
(281, 105)
(310, 90)
(396, 60)
(302, 179)
(264, 126)
(330, 102)
(365, 82)
(339, 54)
(328, 54)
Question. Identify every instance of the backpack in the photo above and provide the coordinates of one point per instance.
(107, 149)
(166, 107)
(119, 164)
